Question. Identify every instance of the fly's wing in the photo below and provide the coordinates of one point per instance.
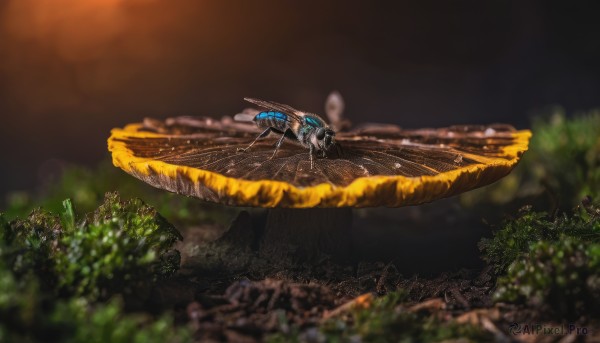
(293, 113)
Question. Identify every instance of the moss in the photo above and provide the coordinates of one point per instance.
(29, 244)
(54, 269)
(119, 246)
(516, 236)
(108, 323)
(563, 275)
(549, 262)
(27, 314)
(561, 167)
(568, 155)
(386, 320)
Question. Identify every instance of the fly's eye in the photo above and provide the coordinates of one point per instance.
(320, 134)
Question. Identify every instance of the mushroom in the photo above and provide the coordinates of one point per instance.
(374, 165)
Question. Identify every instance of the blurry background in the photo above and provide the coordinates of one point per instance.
(70, 70)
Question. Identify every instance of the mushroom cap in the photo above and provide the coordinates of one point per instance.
(376, 165)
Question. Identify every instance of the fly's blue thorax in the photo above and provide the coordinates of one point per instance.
(314, 122)
(271, 115)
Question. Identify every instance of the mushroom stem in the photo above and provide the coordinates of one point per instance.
(308, 234)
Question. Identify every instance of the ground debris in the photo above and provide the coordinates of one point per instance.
(462, 290)
(247, 310)
(430, 305)
(362, 301)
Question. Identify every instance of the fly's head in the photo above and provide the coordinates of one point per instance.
(325, 138)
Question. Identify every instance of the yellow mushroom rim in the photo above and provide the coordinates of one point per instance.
(370, 191)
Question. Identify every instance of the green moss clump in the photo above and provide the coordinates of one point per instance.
(386, 320)
(561, 166)
(54, 270)
(563, 275)
(26, 245)
(121, 245)
(27, 314)
(551, 263)
(516, 236)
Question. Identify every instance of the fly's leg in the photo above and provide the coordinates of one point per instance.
(277, 145)
(310, 153)
(263, 134)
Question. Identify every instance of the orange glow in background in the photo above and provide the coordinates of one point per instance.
(63, 51)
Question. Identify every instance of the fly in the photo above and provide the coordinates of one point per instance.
(308, 128)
